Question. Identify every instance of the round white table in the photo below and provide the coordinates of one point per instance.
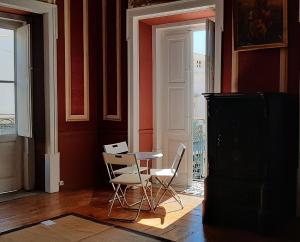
(148, 155)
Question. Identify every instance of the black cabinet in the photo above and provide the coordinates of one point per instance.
(252, 160)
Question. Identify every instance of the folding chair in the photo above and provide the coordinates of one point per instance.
(129, 179)
(166, 176)
(120, 148)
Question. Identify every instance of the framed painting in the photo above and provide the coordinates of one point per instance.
(259, 24)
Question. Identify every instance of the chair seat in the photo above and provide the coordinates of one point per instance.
(129, 170)
(130, 179)
(162, 172)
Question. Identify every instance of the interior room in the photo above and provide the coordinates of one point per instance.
(149, 120)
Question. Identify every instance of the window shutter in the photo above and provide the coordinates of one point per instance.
(23, 77)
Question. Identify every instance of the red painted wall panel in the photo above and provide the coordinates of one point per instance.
(227, 47)
(146, 93)
(259, 71)
(77, 70)
(111, 58)
(207, 13)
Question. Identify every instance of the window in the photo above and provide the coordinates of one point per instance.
(7, 82)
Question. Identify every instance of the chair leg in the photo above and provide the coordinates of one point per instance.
(125, 200)
(145, 194)
(170, 190)
(113, 200)
(176, 195)
(160, 198)
(117, 196)
(125, 219)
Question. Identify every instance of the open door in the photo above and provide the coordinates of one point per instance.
(175, 101)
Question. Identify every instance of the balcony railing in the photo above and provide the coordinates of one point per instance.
(7, 124)
(199, 147)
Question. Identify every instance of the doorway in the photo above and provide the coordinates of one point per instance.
(16, 143)
(179, 95)
(183, 71)
(10, 143)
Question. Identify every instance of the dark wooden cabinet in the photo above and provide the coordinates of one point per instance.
(252, 160)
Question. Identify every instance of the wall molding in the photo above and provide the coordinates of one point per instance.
(68, 77)
(235, 71)
(283, 80)
(106, 115)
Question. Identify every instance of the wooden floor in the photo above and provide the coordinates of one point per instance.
(169, 221)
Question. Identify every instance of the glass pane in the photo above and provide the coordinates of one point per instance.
(7, 108)
(6, 55)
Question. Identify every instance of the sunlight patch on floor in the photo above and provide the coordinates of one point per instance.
(169, 212)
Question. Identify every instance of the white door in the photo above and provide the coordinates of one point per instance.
(15, 106)
(10, 143)
(175, 112)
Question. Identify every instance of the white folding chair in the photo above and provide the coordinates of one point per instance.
(165, 177)
(129, 179)
(121, 148)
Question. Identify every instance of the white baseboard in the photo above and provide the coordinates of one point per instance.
(52, 172)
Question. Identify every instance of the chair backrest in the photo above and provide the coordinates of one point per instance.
(119, 159)
(117, 148)
(178, 157)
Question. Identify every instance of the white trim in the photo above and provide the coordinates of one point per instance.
(133, 17)
(68, 76)
(49, 13)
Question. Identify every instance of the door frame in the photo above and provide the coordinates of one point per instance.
(49, 12)
(133, 17)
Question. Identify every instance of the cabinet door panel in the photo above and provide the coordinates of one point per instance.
(238, 138)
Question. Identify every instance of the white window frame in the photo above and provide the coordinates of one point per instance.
(49, 12)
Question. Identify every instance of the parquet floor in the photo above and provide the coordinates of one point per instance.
(169, 221)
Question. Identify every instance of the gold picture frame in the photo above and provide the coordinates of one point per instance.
(259, 24)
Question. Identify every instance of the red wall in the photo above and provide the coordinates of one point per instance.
(259, 69)
(146, 94)
(80, 144)
(254, 71)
